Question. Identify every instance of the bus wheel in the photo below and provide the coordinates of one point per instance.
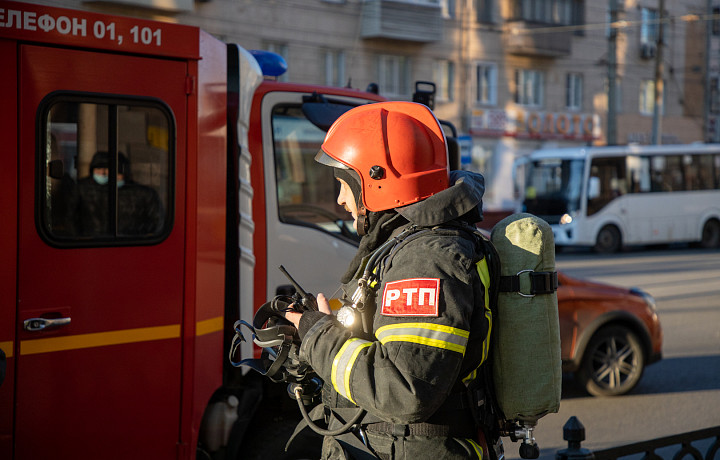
(711, 234)
(608, 240)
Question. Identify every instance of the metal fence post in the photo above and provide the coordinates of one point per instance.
(574, 434)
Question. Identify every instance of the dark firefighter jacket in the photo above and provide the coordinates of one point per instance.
(431, 330)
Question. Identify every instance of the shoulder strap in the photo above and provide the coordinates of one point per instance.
(492, 262)
(488, 269)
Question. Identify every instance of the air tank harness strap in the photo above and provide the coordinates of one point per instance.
(424, 429)
(540, 283)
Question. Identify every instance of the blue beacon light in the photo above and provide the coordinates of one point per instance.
(271, 64)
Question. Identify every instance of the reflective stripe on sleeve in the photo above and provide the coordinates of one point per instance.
(343, 364)
(434, 335)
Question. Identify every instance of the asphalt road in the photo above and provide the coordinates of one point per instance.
(678, 394)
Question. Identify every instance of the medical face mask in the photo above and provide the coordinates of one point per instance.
(100, 179)
(103, 180)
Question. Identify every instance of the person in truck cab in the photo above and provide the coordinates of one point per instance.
(139, 209)
(429, 333)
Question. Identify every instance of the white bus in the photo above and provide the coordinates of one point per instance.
(608, 197)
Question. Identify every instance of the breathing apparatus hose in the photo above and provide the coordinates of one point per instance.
(298, 389)
(322, 432)
(380, 254)
(382, 251)
(364, 280)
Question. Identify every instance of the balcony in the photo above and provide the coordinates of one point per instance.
(417, 21)
(525, 38)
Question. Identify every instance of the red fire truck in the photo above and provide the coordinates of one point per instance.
(152, 183)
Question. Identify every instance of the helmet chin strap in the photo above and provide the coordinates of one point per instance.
(363, 223)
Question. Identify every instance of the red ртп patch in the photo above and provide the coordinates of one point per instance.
(411, 297)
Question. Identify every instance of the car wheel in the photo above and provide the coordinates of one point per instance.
(711, 234)
(613, 362)
(608, 240)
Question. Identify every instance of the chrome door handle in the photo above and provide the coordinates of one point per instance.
(39, 324)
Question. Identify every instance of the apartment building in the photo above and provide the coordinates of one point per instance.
(512, 75)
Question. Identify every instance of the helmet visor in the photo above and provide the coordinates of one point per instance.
(325, 159)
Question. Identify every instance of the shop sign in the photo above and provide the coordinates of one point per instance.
(527, 124)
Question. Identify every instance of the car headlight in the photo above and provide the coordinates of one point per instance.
(566, 219)
(649, 300)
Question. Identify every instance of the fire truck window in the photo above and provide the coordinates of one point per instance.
(106, 178)
(306, 191)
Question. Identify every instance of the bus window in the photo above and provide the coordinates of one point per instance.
(699, 172)
(553, 187)
(667, 174)
(638, 169)
(306, 190)
(612, 176)
(107, 171)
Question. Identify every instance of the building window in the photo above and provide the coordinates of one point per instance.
(448, 9)
(486, 83)
(113, 187)
(608, 24)
(573, 91)
(577, 16)
(529, 87)
(484, 12)
(553, 12)
(561, 12)
(716, 20)
(334, 68)
(282, 50)
(647, 98)
(444, 78)
(648, 26)
(394, 75)
(715, 94)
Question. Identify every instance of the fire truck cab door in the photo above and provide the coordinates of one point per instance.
(99, 314)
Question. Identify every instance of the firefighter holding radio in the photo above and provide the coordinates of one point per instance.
(413, 333)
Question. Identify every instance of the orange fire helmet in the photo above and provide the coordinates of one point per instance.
(397, 148)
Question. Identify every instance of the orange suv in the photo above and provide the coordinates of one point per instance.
(608, 334)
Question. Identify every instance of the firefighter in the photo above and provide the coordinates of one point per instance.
(429, 330)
